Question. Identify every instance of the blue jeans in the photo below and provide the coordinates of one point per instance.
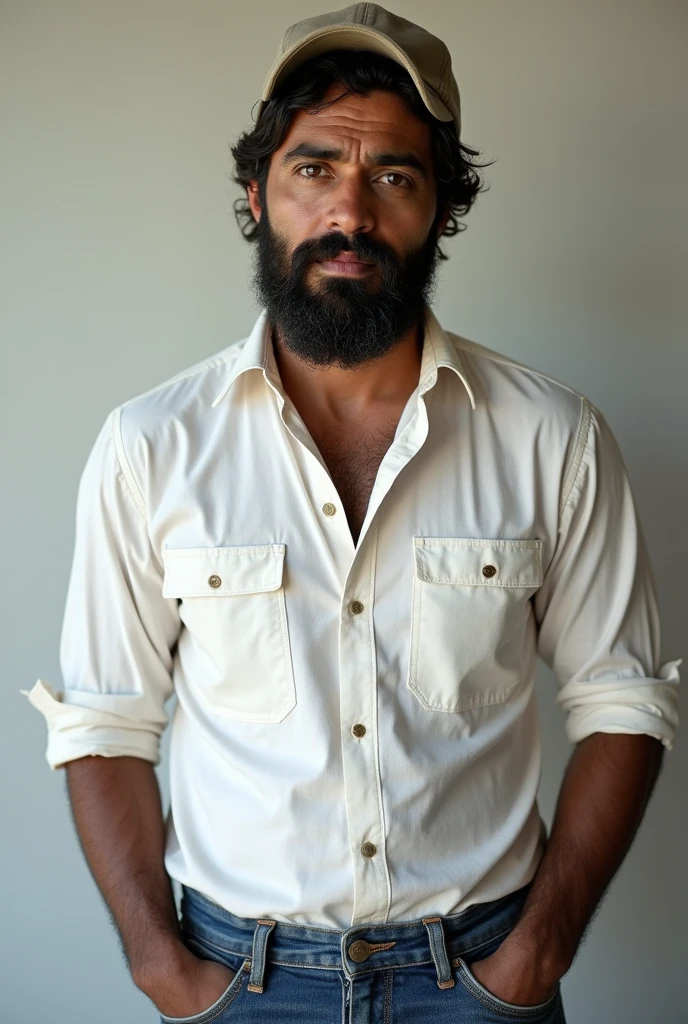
(408, 972)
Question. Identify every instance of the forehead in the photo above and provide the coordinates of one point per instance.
(380, 120)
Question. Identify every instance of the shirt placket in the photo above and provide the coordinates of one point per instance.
(358, 672)
(358, 695)
(359, 736)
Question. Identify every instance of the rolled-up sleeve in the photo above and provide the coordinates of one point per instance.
(596, 612)
(118, 632)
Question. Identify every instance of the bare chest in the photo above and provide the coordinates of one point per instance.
(353, 459)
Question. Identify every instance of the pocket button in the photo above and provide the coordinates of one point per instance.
(215, 581)
(489, 570)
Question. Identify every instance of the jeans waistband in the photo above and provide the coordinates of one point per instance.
(356, 950)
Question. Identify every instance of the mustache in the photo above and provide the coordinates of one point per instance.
(326, 247)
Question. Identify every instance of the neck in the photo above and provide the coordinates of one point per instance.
(338, 394)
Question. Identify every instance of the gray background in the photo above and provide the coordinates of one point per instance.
(121, 264)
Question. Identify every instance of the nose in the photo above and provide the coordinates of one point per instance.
(350, 209)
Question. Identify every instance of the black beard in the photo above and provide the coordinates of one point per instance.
(345, 322)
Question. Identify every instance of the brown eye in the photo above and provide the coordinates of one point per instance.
(309, 167)
(401, 179)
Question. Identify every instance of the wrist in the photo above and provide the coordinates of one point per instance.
(167, 958)
(538, 953)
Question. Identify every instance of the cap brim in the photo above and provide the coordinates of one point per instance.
(354, 37)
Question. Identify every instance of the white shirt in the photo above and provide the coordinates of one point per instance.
(356, 733)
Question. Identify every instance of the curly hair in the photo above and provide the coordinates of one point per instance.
(359, 72)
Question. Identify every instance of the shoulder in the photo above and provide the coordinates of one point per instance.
(177, 401)
(507, 384)
(188, 386)
(154, 426)
(529, 408)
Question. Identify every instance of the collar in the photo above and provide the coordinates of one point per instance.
(256, 353)
(439, 350)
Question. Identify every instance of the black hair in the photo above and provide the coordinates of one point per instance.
(360, 72)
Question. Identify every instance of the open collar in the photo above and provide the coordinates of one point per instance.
(256, 353)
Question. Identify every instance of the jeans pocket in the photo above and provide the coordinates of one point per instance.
(503, 1011)
(219, 1010)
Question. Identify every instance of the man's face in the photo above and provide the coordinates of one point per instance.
(346, 258)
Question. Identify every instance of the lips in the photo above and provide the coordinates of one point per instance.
(346, 264)
(347, 257)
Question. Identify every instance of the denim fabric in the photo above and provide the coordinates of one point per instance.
(408, 972)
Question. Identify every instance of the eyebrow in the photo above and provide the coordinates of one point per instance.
(307, 149)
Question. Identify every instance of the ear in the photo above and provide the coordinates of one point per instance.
(254, 200)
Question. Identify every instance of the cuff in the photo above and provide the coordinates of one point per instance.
(632, 705)
(78, 729)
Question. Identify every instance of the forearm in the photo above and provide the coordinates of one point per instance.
(117, 813)
(603, 796)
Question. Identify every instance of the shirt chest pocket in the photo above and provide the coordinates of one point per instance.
(235, 651)
(471, 616)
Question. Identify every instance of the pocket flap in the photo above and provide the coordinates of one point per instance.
(484, 563)
(222, 572)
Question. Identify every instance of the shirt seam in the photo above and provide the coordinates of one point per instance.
(577, 457)
(127, 473)
(376, 736)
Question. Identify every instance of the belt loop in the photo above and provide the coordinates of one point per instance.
(439, 951)
(260, 938)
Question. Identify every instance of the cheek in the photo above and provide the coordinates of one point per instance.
(289, 204)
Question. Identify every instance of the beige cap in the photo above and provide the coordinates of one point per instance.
(371, 27)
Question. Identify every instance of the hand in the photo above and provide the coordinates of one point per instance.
(193, 990)
(512, 976)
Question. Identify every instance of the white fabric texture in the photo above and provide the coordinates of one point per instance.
(209, 563)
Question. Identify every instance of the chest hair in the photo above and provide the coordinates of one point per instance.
(353, 461)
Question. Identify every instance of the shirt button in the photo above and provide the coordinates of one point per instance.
(215, 581)
(369, 849)
(329, 509)
(489, 570)
(356, 607)
(358, 730)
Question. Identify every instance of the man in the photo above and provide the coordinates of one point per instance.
(342, 542)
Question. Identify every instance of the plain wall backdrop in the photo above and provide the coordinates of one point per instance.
(122, 264)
